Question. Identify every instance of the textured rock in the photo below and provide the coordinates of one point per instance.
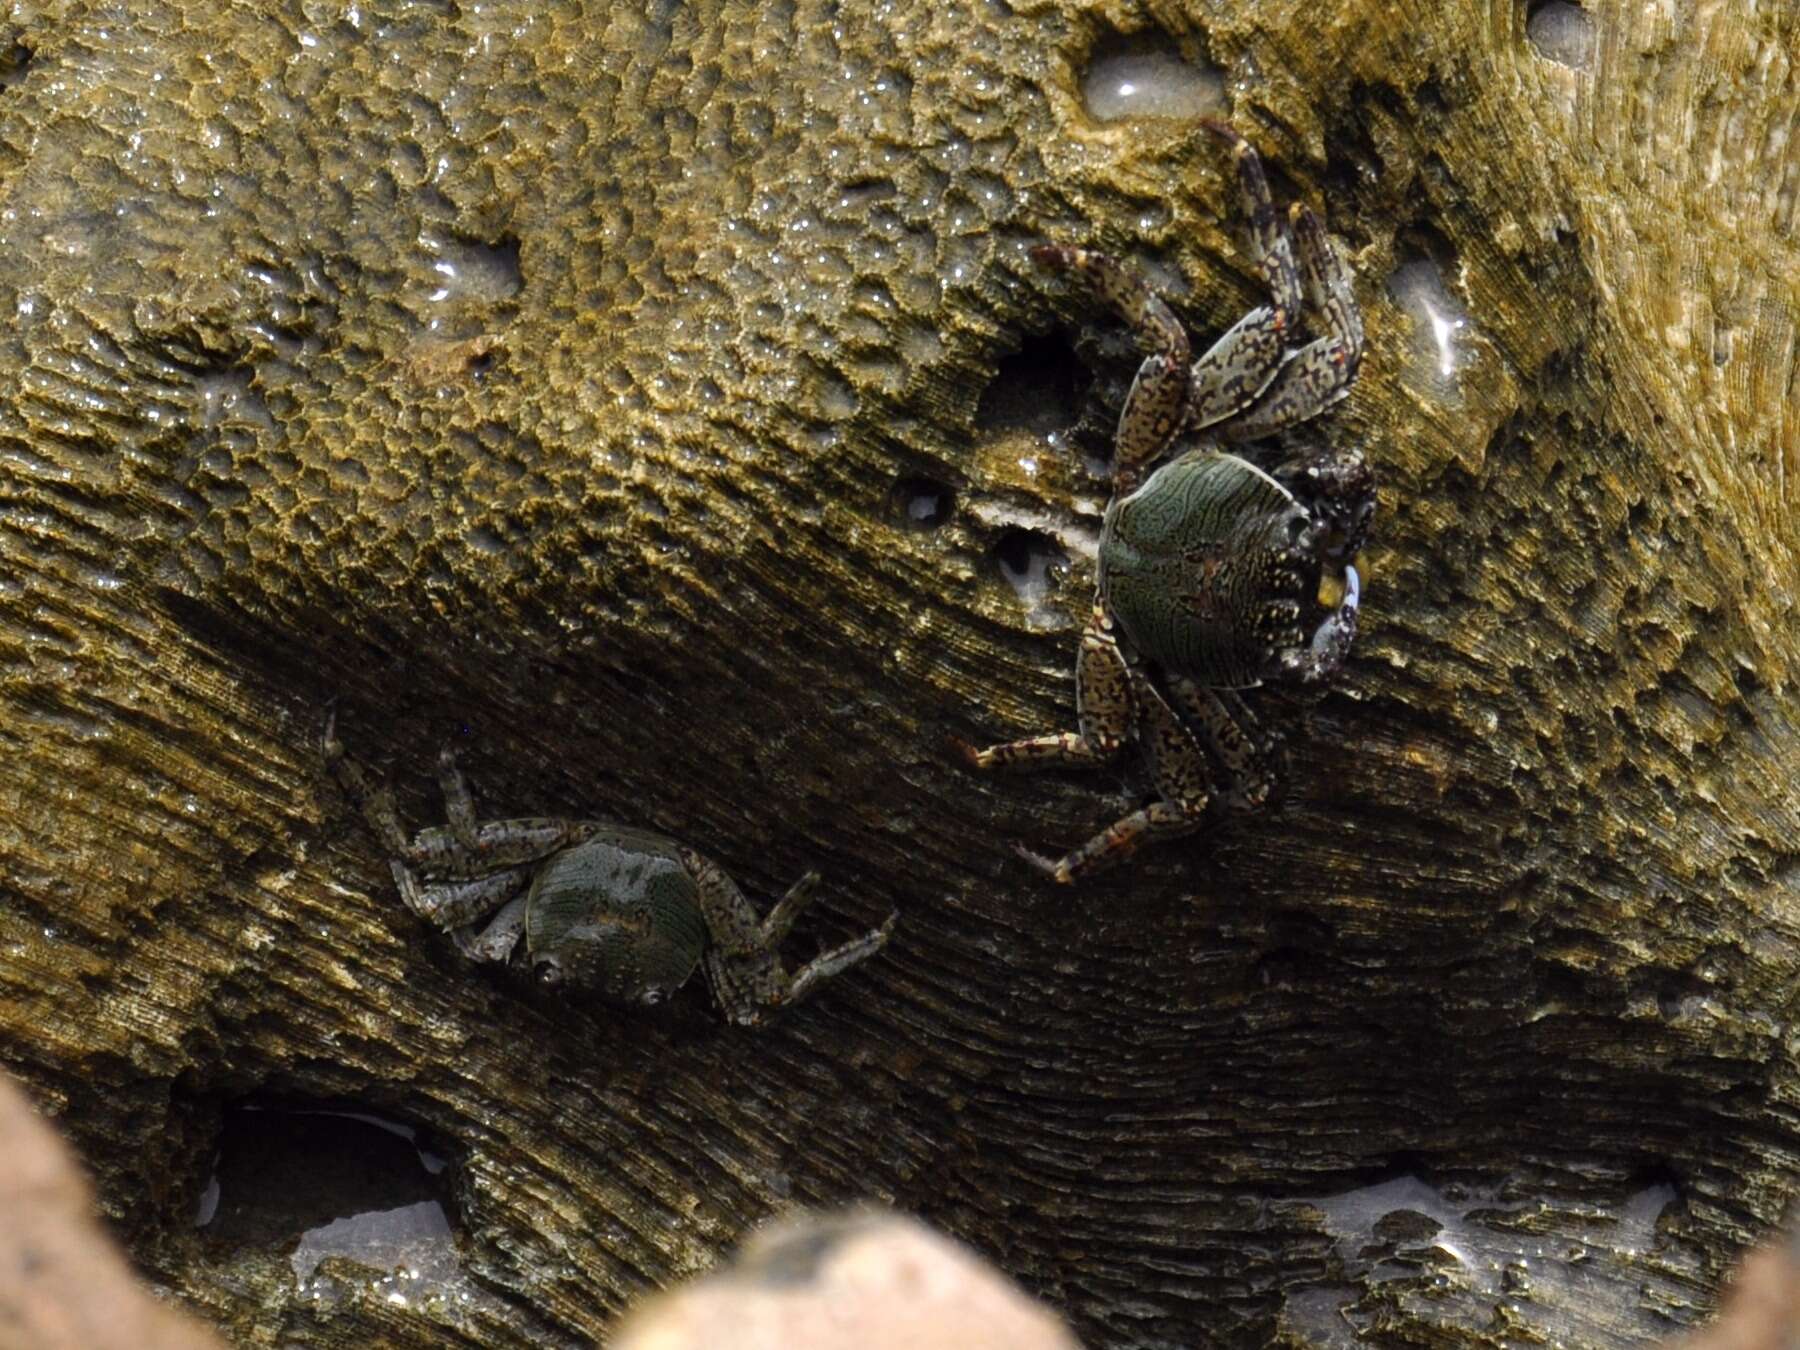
(567, 380)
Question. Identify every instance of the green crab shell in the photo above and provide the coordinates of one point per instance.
(1195, 567)
(620, 914)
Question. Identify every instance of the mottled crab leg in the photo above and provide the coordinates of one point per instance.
(374, 804)
(1103, 706)
(1328, 290)
(779, 921)
(1157, 402)
(1243, 750)
(1182, 781)
(741, 961)
(1322, 371)
(497, 941)
(456, 904)
(459, 805)
(1233, 373)
(460, 884)
(836, 961)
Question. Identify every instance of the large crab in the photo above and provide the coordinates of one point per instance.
(1215, 573)
(611, 910)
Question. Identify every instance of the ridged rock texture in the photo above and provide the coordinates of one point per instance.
(658, 403)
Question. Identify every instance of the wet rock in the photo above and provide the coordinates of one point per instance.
(613, 509)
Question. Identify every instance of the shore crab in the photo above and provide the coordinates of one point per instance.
(622, 913)
(1216, 573)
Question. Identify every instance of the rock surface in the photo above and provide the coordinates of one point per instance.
(658, 402)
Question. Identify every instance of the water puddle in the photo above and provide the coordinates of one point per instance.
(321, 1182)
(1145, 76)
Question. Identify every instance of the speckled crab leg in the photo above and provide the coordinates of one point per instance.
(1157, 401)
(780, 920)
(1182, 779)
(1233, 373)
(374, 804)
(1245, 753)
(459, 804)
(1103, 708)
(456, 904)
(459, 884)
(1328, 290)
(496, 941)
(839, 959)
(741, 961)
(1320, 373)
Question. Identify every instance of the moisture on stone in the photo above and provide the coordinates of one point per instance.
(1147, 77)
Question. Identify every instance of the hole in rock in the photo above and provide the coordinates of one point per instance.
(329, 1179)
(923, 503)
(13, 63)
(1032, 563)
(1561, 32)
(1038, 388)
(482, 273)
(1442, 329)
(1145, 75)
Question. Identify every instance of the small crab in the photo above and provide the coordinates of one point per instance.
(622, 913)
(1215, 573)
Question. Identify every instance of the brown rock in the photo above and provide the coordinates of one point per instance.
(559, 378)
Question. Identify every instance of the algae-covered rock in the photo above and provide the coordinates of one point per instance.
(658, 402)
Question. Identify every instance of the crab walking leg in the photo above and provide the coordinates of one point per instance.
(780, 920)
(374, 804)
(742, 965)
(497, 941)
(459, 807)
(1103, 706)
(1312, 379)
(1245, 752)
(456, 904)
(1159, 820)
(442, 856)
(1329, 296)
(745, 975)
(1177, 762)
(1180, 770)
(1157, 402)
(732, 927)
(1320, 373)
(1232, 373)
(1269, 237)
(1237, 369)
(840, 959)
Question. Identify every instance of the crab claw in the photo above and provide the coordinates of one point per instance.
(1332, 639)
